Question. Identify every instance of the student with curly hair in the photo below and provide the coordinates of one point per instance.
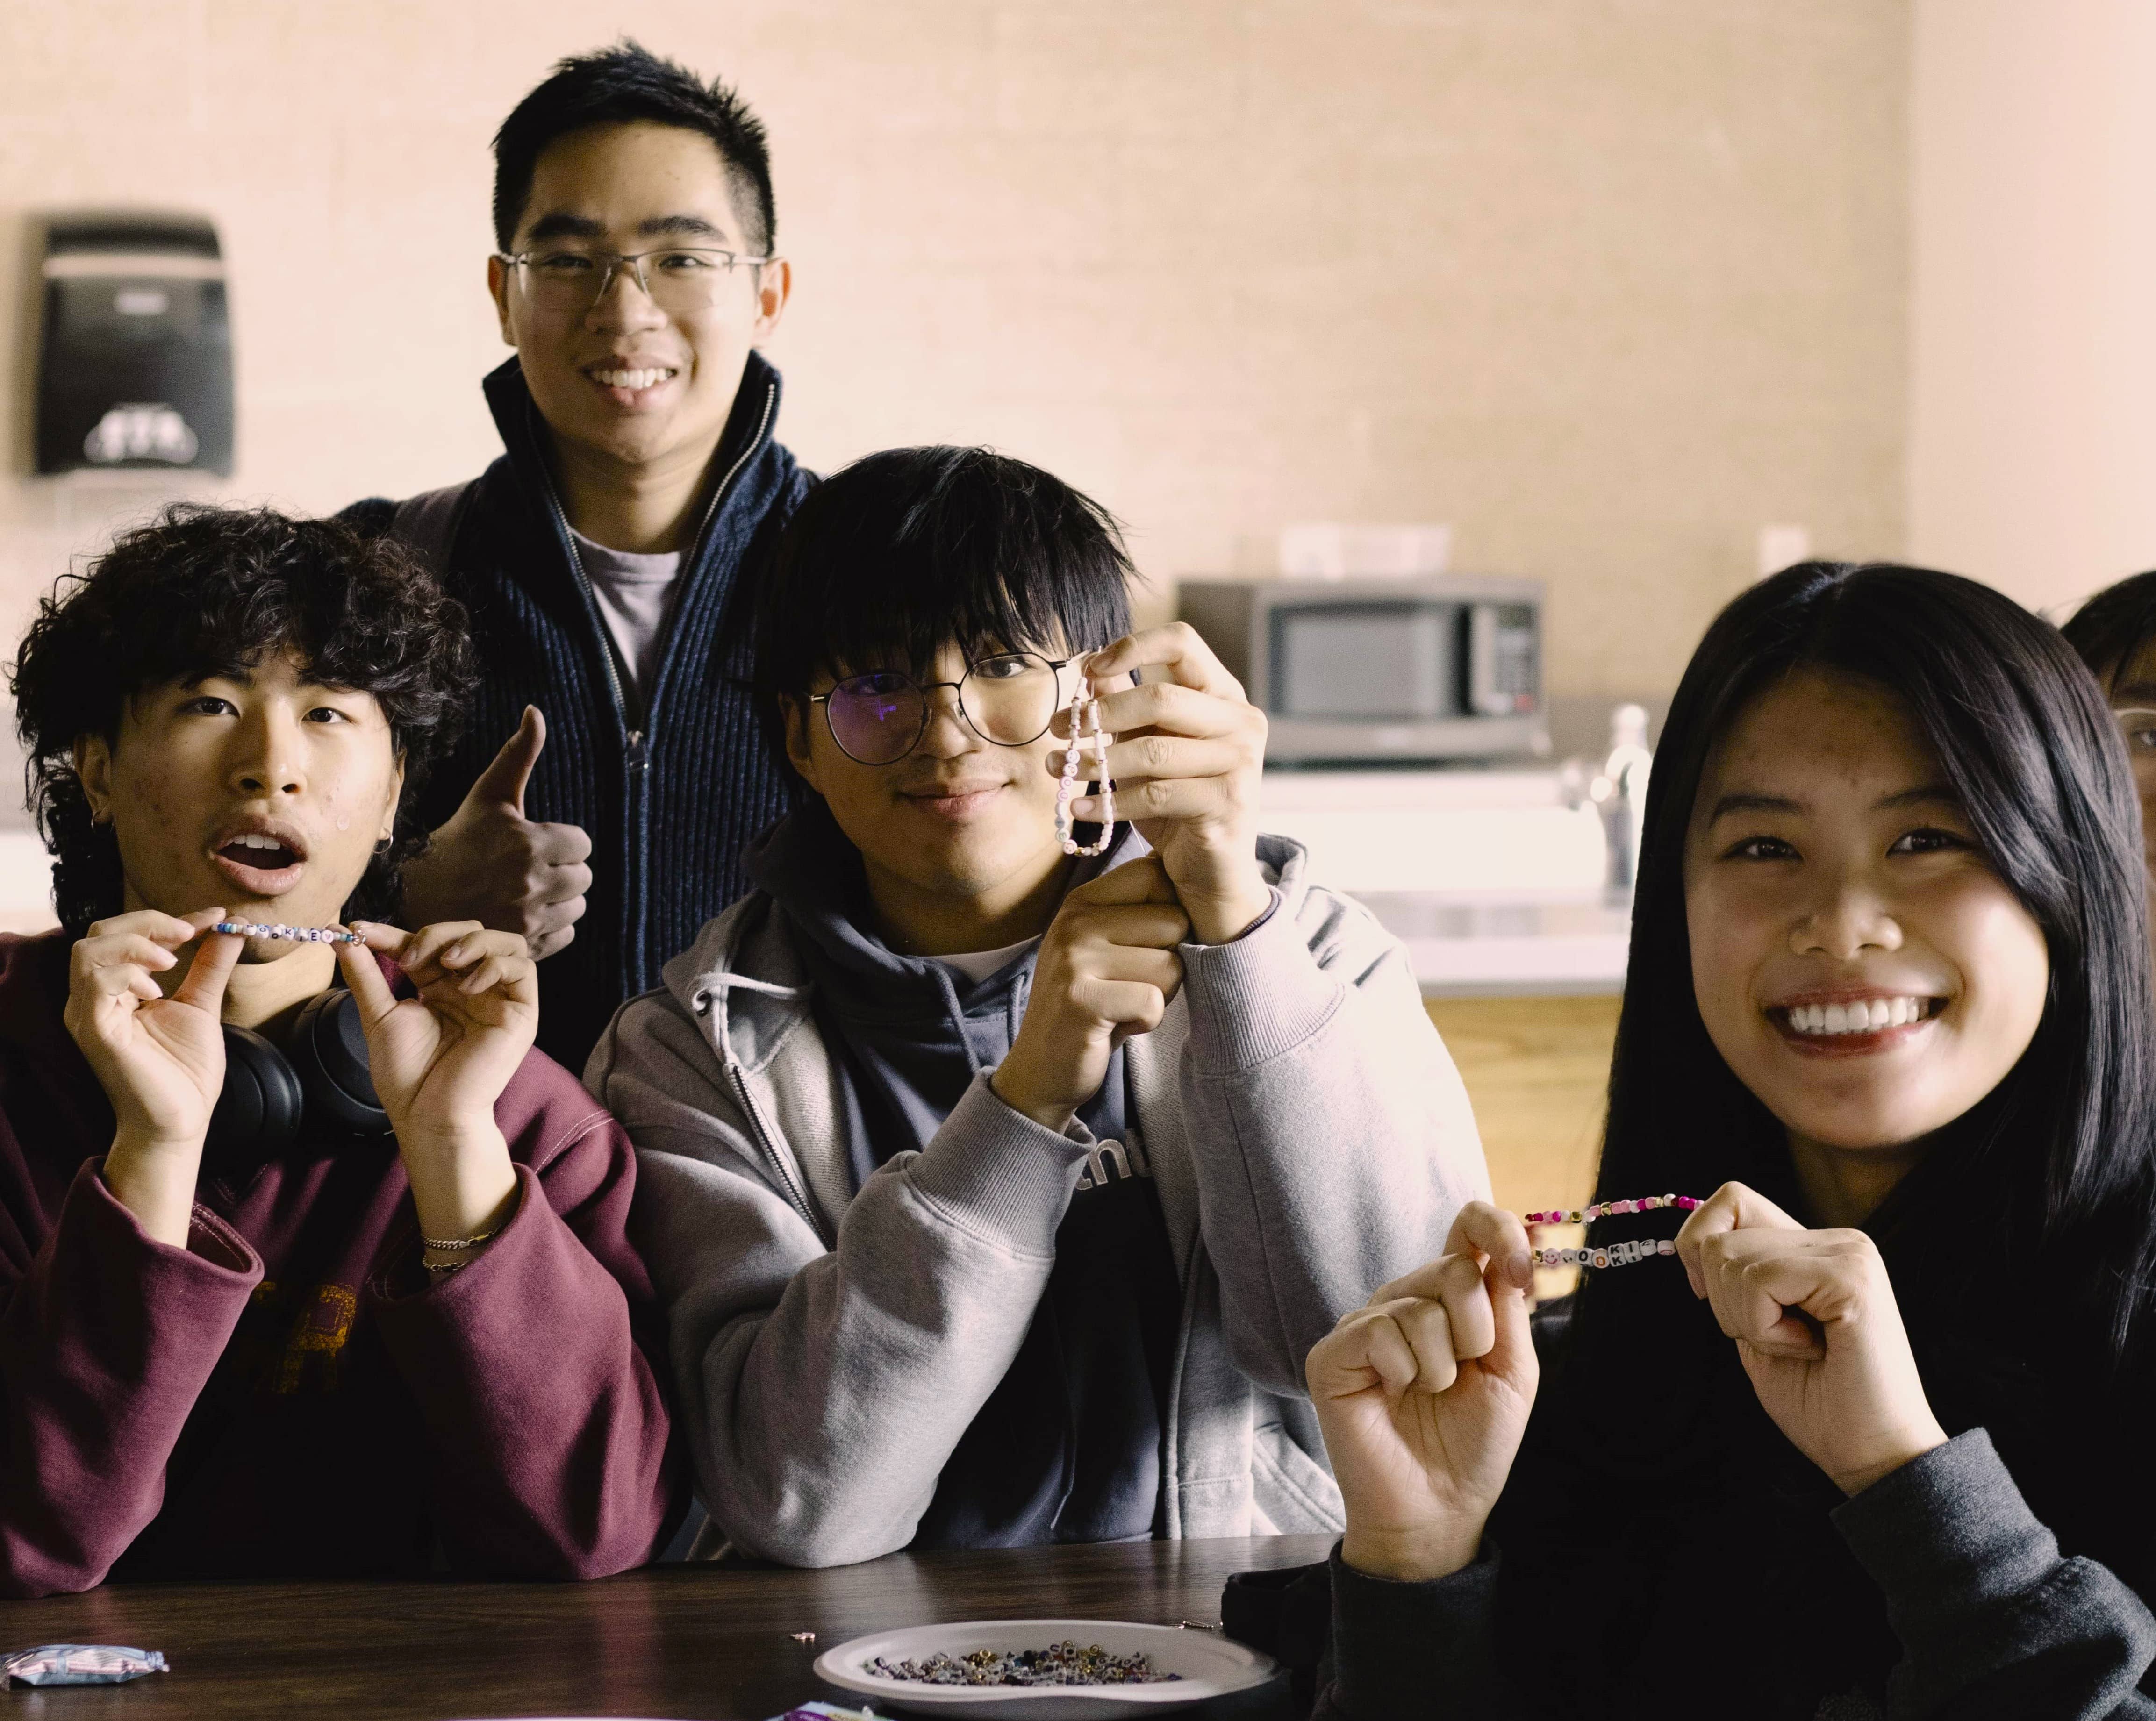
(293, 1279)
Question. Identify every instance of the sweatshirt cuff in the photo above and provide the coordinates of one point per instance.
(1254, 998)
(1391, 1639)
(993, 1169)
(216, 1257)
(404, 1278)
(1946, 1530)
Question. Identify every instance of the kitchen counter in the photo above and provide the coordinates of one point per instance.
(1496, 946)
(1494, 883)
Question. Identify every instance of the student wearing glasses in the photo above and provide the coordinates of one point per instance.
(996, 1191)
(2115, 632)
(603, 556)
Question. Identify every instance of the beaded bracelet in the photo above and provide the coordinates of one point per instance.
(1600, 1209)
(1084, 710)
(1615, 1254)
(289, 934)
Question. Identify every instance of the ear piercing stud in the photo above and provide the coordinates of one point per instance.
(289, 934)
(1085, 709)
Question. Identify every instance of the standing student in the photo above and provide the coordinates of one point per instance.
(2115, 632)
(1875, 1441)
(294, 1280)
(604, 558)
(996, 1191)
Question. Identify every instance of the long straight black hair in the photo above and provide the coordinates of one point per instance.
(2056, 1165)
(1662, 1536)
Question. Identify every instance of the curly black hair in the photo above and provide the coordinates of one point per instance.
(205, 591)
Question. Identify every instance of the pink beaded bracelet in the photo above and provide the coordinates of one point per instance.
(1615, 1254)
(1600, 1209)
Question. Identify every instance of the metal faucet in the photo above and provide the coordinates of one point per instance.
(1619, 794)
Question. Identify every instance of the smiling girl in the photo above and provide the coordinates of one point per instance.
(1873, 1443)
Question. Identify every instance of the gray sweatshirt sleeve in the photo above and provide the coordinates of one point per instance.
(1331, 1137)
(1993, 1621)
(793, 1361)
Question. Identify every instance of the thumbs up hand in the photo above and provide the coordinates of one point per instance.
(491, 864)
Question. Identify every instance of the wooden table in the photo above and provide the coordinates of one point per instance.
(668, 1642)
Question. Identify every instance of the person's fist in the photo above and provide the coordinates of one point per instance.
(1818, 1331)
(1424, 1394)
(1107, 969)
(491, 864)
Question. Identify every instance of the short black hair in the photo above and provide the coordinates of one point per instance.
(2113, 629)
(903, 551)
(212, 592)
(619, 84)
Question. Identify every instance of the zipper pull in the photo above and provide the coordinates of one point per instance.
(639, 753)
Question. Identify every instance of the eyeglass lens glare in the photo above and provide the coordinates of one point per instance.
(676, 281)
(879, 718)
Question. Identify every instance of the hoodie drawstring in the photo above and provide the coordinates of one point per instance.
(957, 1016)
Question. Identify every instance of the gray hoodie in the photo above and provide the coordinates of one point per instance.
(1308, 1136)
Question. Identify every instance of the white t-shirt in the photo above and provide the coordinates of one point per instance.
(974, 966)
(636, 596)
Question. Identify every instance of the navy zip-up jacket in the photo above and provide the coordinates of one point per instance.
(668, 796)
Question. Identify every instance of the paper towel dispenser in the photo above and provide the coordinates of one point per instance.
(135, 364)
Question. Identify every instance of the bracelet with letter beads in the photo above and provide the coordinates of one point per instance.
(287, 934)
(1613, 1255)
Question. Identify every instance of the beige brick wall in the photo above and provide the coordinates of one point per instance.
(1609, 284)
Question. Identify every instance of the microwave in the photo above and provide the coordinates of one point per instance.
(1360, 671)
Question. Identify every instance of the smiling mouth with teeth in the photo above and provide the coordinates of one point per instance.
(631, 380)
(255, 849)
(1859, 1016)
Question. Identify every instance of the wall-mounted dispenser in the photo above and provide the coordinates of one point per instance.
(135, 365)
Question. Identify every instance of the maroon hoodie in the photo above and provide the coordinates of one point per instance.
(288, 1396)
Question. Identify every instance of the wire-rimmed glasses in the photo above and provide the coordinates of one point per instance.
(2138, 723)
(1008, 698)
(681, 278)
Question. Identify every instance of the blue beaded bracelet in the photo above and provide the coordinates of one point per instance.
(289, 934)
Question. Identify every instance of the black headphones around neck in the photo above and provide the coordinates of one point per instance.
(319, 1080)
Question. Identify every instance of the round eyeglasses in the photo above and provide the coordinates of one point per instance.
(684, 279)
(2138, 724)
(879, 718)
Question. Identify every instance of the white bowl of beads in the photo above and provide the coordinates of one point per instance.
(1152, 1668)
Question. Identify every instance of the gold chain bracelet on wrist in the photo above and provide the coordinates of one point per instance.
(450, 1245)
